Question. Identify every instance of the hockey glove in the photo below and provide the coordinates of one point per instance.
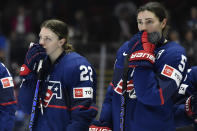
(134, 41)
(191, 107)
(145, 56)
(98, 126)
(35, 53)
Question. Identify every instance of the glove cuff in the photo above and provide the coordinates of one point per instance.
(24, 70)
(142, 55)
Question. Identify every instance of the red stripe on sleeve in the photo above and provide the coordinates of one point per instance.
(55, 106)
(83, 107)
(8, 103)
(161, 96)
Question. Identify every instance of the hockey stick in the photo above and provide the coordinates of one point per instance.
(124, 88)
(124, 95)
(35, 100)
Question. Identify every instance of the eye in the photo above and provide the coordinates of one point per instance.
(139, 22)
(47, 39)
(149, 22)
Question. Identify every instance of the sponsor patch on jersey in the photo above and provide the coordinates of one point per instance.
(172, 73)
(183, 89)
(7, 82)
(83, 92)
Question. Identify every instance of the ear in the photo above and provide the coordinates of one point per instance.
(163, 23)
(61, 42)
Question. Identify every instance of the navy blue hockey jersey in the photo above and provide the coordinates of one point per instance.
(69, 92)
(149, 104)
(189, 85)
(187, 88)
(7, 100)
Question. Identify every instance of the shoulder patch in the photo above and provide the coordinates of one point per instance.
(172, 73)
(83, 92)
(7, 82)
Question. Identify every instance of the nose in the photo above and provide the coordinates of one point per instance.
(142, 27)
(41, 41)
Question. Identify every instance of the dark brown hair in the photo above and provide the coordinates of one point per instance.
(60, 28)
(159, 11)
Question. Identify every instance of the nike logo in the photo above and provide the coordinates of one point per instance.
(124, 54)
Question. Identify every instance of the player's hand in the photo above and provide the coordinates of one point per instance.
(99, 126)
(145, 56)
(34, 54)
(134, 41)
(191, 107)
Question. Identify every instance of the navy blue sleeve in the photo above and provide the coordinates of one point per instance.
(116, 84)
(155, 86)
(187, 88)
(7, 100)
(26, 93)
(82, 95)
(106, 112)
(189, 85)
(180, 117)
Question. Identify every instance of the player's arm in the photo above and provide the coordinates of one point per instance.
(82, 96)
(26, 92)
(105, 121)
(180, 117)
(189, 85)
(189, 90)
(158, 87)
(29, 76)
(7, 100)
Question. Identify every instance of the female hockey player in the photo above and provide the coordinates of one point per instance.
(7, 98)
(68, 83)
(140, 96)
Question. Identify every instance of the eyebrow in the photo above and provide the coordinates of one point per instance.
(45, 35)
(146, 19)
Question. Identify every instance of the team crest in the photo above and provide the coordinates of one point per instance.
(54, 91)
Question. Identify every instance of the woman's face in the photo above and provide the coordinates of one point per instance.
(148, 21)
(50, 41)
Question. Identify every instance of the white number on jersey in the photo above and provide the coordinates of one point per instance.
(182, 64)
(86, 73)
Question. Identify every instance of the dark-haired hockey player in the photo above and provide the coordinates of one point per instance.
(156, 68)
(68, 82)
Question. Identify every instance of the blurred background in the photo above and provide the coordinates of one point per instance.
(97, 29)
